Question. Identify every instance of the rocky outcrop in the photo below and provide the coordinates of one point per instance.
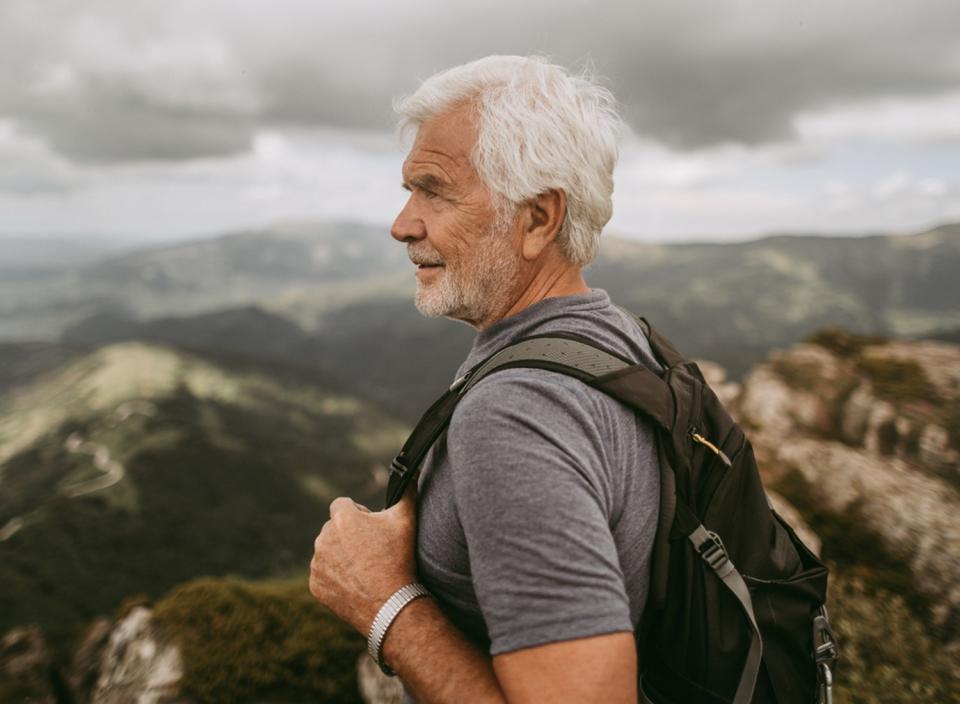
(872, 431)
(793, 392)
(138, 666)
(26, 667)
(376, 687)
(914, 515)
(84, 669)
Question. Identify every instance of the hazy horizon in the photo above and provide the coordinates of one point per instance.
(121, 242)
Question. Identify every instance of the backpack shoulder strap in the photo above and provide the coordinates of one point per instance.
(564, 353)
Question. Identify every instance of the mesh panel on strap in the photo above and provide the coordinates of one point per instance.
(557, 351)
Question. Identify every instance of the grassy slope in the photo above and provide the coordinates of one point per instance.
(226, 473)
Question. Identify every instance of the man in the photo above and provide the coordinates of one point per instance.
(536, 513)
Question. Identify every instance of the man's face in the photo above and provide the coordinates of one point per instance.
(468, 268)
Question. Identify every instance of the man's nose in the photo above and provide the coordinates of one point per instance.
(407, 227)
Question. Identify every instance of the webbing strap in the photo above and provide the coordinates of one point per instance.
(405, 465)
(710, 548)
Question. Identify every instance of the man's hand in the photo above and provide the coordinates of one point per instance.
(361, 557)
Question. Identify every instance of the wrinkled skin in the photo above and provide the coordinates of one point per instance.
(361, 557)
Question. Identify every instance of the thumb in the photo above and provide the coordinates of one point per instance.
(408, 502)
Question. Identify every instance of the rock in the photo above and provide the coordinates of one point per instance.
(934, 448)
(940, 362)
(85, 665)
(138, 665)
(26, 666)
(879, 422)
(376, 687)
(856, 414)
(828, 366)
(911, 513)
(768, 402)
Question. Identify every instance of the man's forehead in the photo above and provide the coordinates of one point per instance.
(446, 140)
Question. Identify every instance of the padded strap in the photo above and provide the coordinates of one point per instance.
(586, 361)
(709, 546)
(630, 383)
(626, 381)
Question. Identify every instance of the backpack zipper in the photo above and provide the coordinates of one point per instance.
(697, 437)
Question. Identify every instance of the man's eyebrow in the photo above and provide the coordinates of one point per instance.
(427, 182)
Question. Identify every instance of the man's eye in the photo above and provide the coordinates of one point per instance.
(429, 195)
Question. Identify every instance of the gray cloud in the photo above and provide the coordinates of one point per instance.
(120, 81)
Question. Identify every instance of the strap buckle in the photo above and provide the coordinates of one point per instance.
(397, 467)
(825, 654)
(461, 381)
(713, 551)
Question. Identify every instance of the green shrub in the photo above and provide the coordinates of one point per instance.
(887, 655)
(244, 642)
(952, 423)
(897, 380)
(801, 375)
(13, 689)
(843, 343)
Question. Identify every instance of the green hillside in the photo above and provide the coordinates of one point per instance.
(136, 468)
(731, 303)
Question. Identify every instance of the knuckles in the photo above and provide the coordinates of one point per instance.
(338, 505)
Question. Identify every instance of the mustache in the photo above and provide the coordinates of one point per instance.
(423, 255)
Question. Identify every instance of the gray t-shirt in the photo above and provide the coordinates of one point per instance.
(538, 508)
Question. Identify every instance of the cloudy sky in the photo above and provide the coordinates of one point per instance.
(136, 120)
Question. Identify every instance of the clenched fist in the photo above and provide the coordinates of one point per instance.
(362, 557)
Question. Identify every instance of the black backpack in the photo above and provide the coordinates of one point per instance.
(736, 607)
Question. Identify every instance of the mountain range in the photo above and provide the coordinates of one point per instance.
(336, 299)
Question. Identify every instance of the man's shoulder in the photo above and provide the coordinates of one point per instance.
(539, 408)
(525, 390)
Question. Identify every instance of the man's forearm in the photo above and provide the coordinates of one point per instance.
(436, 662)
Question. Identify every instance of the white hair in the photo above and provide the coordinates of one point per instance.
(539, 128)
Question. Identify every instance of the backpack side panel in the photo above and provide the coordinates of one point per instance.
(701, 636)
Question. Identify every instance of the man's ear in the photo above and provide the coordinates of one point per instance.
(543, 217)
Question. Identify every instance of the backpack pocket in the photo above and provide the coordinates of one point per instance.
(785, 609)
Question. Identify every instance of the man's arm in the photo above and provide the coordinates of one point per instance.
(360, 558)
(438, 665)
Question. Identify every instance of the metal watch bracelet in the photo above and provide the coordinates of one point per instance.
(385, 616)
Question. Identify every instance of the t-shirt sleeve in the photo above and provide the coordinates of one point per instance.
(533, 497)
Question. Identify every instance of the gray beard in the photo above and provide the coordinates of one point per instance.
(475, 289)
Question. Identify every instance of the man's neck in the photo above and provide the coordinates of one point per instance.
(547, 283)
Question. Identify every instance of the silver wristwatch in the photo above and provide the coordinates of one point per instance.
(385, 616)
